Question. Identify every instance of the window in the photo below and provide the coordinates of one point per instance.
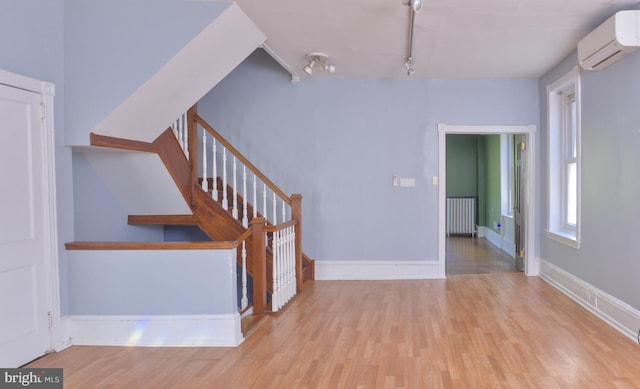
(563, 97)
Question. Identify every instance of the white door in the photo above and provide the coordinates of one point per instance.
(24, 323)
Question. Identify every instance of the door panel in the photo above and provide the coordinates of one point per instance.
(24, 329)
(519, 211)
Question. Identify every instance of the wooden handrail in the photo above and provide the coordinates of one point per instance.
(244, 235)
(151, 245)
(241, 158)
(281, 226)
(120, 143)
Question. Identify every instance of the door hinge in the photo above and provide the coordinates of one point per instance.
(521, 254)
(42, 111)
(523, 146)
(50, 317)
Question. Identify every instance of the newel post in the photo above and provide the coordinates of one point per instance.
(259, 251)
(192, 138)
(296, 214)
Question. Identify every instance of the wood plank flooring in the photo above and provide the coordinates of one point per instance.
(468, 331)
(467, 255)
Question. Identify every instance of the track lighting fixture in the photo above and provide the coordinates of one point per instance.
(416, 6)
(318, 61)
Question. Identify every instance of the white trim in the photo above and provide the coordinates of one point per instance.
(65, 330)
(19, 81)
(46, 91)
(498, 241)
(555, 222)
(376, 270)
(614, 312)
(157, 331)
(494, 238)
(565, 239)
(531, 265)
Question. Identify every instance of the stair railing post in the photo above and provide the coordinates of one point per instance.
(259, 251)
(296, 214)
(192, 131)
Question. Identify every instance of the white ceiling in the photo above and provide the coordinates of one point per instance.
(452, 38)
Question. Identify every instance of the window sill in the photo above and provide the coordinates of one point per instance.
(564, 238)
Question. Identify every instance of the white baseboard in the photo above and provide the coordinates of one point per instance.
(616, 313)
(157, 331)
(495, 239)
(65, 330)
(376, 270)
(481, 231)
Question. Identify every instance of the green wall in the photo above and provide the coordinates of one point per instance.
(493, 194)
(462, 161)
(473, 169)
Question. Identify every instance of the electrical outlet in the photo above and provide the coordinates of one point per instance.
(408, 182)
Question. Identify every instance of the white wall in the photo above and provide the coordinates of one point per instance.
(338, 142)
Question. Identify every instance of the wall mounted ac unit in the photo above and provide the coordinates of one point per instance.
(612, 40)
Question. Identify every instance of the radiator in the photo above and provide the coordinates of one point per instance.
(461, 215)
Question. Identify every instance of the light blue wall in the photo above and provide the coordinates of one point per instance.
(153, 282)
(113, 47)
(607, 257)
(31, 43)
(98, 215)
(338, 142)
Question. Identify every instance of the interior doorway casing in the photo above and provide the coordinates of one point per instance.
(531, 263)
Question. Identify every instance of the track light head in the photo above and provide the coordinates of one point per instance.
(318, 61)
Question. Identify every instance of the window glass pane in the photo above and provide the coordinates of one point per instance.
(570, 134)
(572, 194)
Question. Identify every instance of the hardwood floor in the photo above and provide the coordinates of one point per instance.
(467, 255)
(468, 331)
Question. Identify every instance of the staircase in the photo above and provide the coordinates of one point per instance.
(271, 239)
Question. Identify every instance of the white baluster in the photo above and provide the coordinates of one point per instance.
(214, 192)
(292, 245)
(174, 127)
(281, 267)
(245, 208)
(290, 262)
(284, 211)
(275, 213)
(275, 295)
(244, 301)
(264, 202)
(185, 134)
(255, 197)
(225, 201)
(179, 132)
(234, 211)
(205, 180)
(287, 265)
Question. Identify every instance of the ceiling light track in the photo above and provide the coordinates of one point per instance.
(414, 6)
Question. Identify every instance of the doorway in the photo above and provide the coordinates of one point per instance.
(29, 288)
(522, 217)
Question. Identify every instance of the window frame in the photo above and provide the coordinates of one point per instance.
(564, 150)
